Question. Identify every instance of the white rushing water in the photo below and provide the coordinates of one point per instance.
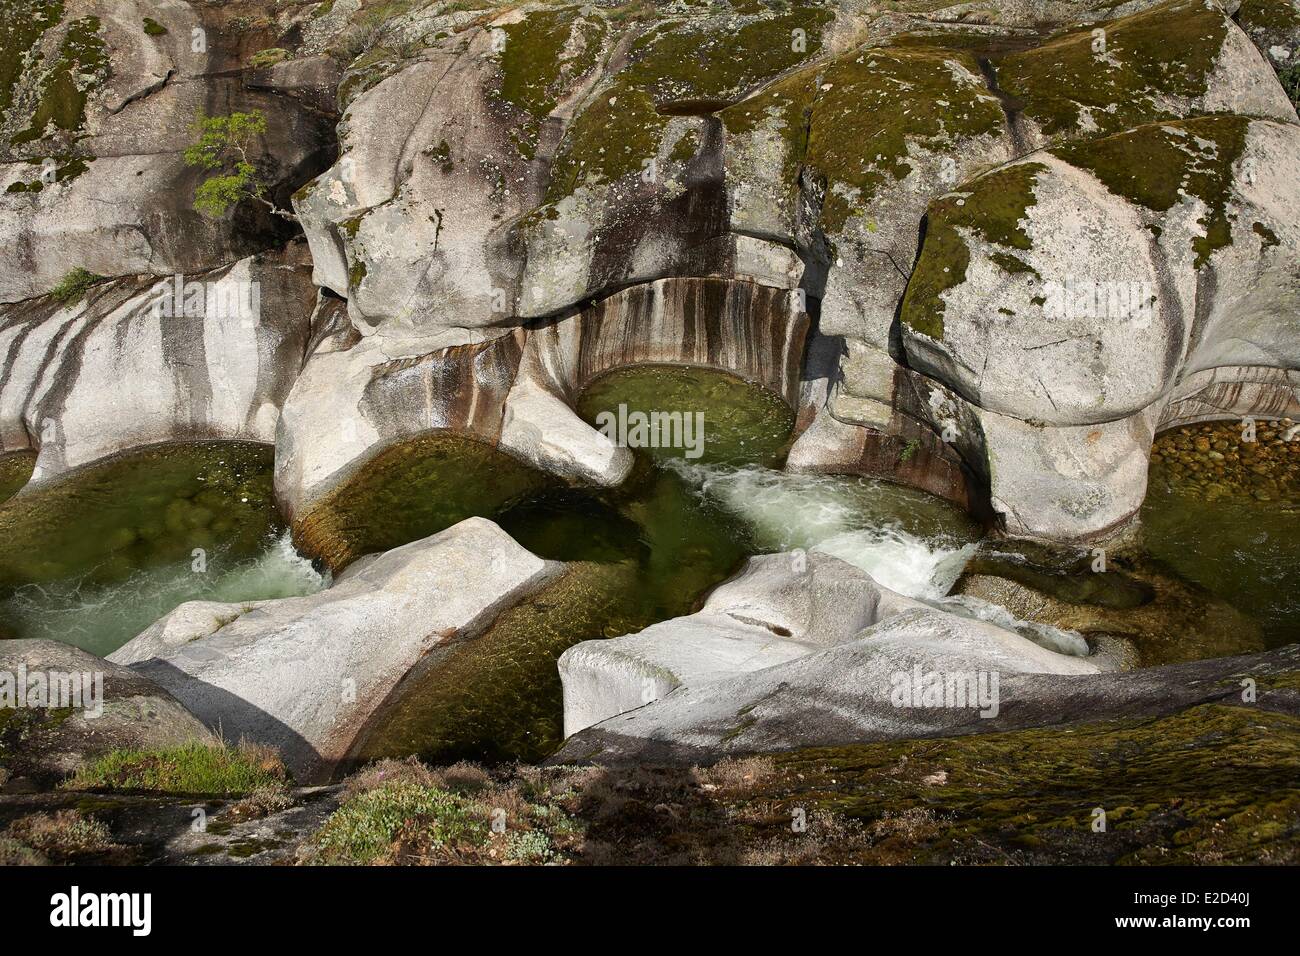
(909, 541)
(102, 618)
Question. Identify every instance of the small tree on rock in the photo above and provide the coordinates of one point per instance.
(222, 148)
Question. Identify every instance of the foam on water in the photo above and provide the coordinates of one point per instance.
(102, 618)
(909, 541)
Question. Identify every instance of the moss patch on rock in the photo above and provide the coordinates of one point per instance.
(544, 55)
(680, 66)
(82, 66)
(990, 207)
(1158, 165)
(19, 34)
(1083, 80)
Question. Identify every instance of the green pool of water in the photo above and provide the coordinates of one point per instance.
(96, 556)
(1243, 550)
(731, 421)
(410, 491)
(15, 469)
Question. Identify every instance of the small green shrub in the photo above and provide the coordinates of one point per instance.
(364, 829)
(62, 835)
(264, 58)
(196, 768)
(153, 28)
(74, 285)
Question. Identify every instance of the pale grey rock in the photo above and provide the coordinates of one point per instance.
(844, 693)
(124, 367)
(130, 211)
(778, 608)
(307, 675)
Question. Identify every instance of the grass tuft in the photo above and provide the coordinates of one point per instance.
(194, 768)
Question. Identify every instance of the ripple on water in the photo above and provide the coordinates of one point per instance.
(96, 556)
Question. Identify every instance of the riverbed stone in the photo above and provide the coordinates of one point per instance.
(307, 675)
(45, 744)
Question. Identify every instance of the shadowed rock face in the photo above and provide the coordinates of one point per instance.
(116, 708)
(109, 104)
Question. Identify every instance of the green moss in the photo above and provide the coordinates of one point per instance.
(19, 32)
(1155, 166)
(193, 768)
(1290, 80)
(153, 28)
(1268, 236)
(74, 285)
(878, 101)
(83, 65)
(1268, 16)
(544, 54)
(678, 67)
(1214, 784)
(1166, 51)
(992, 207)
(267, 58)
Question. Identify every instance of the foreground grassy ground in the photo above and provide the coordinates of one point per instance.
(1214, 784)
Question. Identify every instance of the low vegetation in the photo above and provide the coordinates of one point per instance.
(194, 768)
(74, 285)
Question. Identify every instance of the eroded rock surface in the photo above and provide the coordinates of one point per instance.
(306, 675)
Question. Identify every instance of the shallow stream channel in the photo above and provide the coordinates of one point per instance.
(96, 556)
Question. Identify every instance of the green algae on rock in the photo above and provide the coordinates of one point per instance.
(1158, 165)
(15, 470)
(409, 491)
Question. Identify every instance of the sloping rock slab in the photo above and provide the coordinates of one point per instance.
(778, 608)
(306, 674)
(775, 711)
